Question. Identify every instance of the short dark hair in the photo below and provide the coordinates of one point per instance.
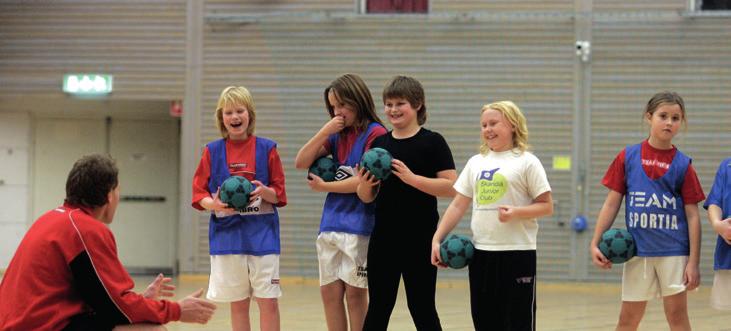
(410, 89)
(90, 180)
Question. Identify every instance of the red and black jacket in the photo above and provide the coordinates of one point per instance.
(67, 265)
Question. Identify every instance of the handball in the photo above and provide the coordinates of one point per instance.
(617, 245)
(324, 168)
(235, 192)
(378, 162)
(456, 251)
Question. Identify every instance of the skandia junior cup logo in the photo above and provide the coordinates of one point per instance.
(491, 186)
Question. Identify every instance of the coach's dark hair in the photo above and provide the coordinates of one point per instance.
(409, 89)
(90, 180)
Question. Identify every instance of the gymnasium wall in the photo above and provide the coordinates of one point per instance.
(15, 181)
(635, 57)
(466, 53)
(140, 42)
(288, 59)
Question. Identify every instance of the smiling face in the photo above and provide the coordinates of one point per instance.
(346, 111)
(664, 124)
(496, 130)
(236, 121)
(400, 113)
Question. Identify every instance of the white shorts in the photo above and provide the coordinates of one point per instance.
(645, 278)
(343, 256)
(238, 277)
(720, 293)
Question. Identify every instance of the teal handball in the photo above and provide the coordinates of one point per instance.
(378, 162)
(617, 245)
(324, 168)
(456, 251)
(235, 192)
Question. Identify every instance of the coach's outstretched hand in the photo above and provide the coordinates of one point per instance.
(159, 287)
(193, 309)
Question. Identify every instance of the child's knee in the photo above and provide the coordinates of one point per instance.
(676, 315)
(630, 318)
(356, 293)
(268, 305)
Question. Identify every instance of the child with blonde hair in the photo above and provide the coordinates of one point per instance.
(508, 189)
(244, 246)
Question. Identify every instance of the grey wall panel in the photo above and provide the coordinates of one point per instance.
(437, 6)
(263, 7)
(462, 66)
(141, 43)
(267, 7)
(639, 5)
(634, 59)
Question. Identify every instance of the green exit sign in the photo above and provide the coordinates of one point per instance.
(87, 84)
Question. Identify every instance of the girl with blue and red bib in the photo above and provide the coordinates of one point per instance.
(661, 192)
(346, 223)
(244, 246)
(718, 205)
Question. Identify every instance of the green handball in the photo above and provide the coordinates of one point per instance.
(324, 168)
(378, 162)
(235, 192)
(617, 245)
(456, 251)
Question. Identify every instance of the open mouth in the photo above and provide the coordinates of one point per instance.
(236, 125)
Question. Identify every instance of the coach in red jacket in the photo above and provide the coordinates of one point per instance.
(66, 275)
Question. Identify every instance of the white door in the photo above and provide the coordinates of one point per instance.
(145, 226)
(146, 152)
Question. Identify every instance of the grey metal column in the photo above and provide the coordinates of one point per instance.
(581, 134)
(190, 135)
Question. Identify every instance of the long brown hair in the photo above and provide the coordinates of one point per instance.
(351, 90)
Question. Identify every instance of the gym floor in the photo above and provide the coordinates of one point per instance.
(561, 306)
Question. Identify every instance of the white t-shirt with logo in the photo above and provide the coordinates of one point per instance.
(502, 178)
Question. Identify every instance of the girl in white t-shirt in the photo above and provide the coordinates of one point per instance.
(508, 189)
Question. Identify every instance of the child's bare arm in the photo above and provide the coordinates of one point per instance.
(441, 186)
(213, 203)
(721, 226)
(313, 148)
(451, 217)
(604, 221)
(340, 186)
(542, 206)
(368, 186)
(692, 273)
